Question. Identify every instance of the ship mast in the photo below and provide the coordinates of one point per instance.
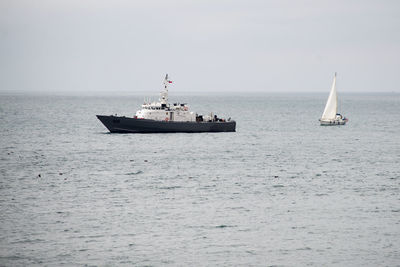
(164, 93)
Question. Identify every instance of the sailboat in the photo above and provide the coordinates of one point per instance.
(330, 116)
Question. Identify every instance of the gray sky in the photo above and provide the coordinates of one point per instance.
(208, 45)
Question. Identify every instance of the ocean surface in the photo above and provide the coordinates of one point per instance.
(280, 191)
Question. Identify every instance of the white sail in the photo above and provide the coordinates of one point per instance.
(331, 105)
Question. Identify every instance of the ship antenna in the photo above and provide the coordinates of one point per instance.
(164, 93)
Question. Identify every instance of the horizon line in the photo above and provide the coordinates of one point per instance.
(179, 92)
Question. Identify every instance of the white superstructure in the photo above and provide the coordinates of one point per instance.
(163, 111)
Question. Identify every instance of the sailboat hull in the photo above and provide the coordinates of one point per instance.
(333, 123)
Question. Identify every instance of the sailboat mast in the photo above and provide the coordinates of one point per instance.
(337, 103)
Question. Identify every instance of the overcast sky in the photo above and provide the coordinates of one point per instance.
(207, 45)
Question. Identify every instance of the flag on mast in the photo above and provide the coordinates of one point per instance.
(167, 80)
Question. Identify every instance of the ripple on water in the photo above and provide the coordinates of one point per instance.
(272, 190)
(134, 173)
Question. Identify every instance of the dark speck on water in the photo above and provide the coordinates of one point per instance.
(281, 191)
(134, 173)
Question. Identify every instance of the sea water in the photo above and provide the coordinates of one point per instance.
(281, 190)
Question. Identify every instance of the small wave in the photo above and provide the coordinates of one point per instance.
(170, 187)
(305, 248)
(134, 173)
(95, 236)
(11, 257)
(224, 226)
(278, 185)
(28, 241)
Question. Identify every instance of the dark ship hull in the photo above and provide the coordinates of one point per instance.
(116, 124)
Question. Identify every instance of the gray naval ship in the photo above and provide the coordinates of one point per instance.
(161, 117)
